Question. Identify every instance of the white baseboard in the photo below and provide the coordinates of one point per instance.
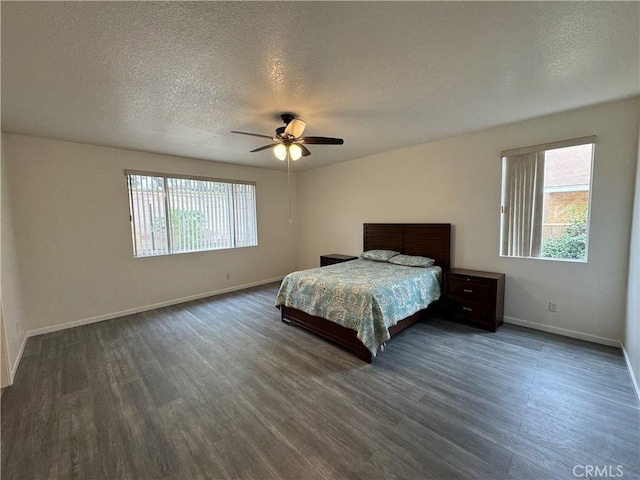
(131, 311)
(631, 372)
(14, 369)
(563, 331)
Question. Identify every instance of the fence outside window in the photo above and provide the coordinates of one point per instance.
(178, 214)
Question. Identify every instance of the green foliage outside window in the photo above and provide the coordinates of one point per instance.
(572, 244)
(187, 228)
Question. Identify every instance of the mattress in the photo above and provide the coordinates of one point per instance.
(362, 295)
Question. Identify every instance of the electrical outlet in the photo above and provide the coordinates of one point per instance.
(553, 307)
(228, 276)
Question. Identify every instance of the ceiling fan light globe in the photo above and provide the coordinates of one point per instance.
(295, 151)
(280, 151)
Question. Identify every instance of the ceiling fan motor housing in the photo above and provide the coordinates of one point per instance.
(287, 117)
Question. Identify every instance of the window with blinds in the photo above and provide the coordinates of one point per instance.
(178, 214)
(545, 200)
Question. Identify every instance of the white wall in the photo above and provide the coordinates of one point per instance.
(631, 338)
(71, 219)
(458, 180)
(15, 325)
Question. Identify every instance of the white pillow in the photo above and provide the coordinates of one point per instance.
(412, 261)
(379, 255)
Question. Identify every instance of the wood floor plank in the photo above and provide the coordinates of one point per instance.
(111, 432)
(153, 454)
(523, 469)
(220, 388)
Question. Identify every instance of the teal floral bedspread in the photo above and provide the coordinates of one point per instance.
(362, 295)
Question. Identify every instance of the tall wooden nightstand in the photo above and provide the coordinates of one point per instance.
(335, 258)
(476, 297)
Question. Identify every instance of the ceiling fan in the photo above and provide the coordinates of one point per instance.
(289, 139)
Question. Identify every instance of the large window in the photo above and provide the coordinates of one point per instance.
(545, 200)
(177, 214)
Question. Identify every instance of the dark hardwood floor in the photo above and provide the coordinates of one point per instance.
(220, 388)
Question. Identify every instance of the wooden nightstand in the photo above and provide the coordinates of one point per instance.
(335, 258)
(475, 297)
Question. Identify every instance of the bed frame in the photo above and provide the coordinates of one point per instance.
(425, 239)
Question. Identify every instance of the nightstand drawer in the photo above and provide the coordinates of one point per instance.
(471, 290)
(471, 311)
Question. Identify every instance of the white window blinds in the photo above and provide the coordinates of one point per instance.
(545, 200)
(522, 202)
(177, 214)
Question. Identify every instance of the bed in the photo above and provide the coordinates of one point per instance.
(422, 239)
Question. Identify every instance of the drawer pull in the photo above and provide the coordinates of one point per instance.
(467, 309)
(466, 290)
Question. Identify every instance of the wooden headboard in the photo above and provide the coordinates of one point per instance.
(431, 240)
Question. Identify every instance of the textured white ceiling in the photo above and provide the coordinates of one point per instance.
(176, 77)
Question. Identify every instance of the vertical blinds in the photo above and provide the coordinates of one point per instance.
(177, 213)
(522, 197)
(545, 200)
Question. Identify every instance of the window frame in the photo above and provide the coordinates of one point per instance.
(574, 142)
(128, 173)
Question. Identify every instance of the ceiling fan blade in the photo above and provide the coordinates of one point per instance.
(295, 127)
(322, 141)
(264, 148)
(305, 150)
(252, 134)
